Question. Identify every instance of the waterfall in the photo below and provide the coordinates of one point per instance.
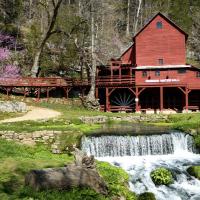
(115, 146)
(139, 155)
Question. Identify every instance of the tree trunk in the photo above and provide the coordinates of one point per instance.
(47, 34)
(91, 94)
(137, 16)
(128, 19)
(35, 67)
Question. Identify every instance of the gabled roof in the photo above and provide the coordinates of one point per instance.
(167, 19)
(130, 46)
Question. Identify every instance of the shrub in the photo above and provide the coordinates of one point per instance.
(194, 171)
(161, 176)
(147, 196)
(117, 181)
(197, 140)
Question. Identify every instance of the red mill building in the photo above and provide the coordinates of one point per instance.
(152, 74)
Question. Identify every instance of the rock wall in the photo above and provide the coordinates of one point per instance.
(10, 106)
(129, 118)
(45, 137)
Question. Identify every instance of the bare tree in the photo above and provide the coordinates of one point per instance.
(128, 18)
(45, 37)
(91, 94)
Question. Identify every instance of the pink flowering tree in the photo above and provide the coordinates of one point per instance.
(7, 70)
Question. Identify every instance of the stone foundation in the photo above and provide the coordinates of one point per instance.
(44, 137)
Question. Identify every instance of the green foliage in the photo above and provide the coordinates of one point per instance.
(197, 140)
(162, 176)
(72, 194)
(181, 14)
(117, 180)
(194, 171)
(17, 160)
(147, 196)
(185, 121)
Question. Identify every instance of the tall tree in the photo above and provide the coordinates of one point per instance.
(49, 31)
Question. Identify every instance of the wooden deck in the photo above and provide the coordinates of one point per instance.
(64, 82)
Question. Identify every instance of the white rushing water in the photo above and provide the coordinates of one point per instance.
(139, 155)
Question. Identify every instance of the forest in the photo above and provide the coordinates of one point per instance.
(69, 38)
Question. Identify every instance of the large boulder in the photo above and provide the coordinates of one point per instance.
(82, 173)
(65, 178)
(10, 106)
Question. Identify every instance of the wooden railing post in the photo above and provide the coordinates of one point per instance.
(161, 99)
(186, 99)
(137, 108)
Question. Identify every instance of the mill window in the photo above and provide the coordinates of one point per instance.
(198, 74)
(181, 71)
(160, 61)
(157, 73)
(159, 25)
(144, 73)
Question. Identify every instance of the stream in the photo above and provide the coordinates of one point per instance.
(139, 154)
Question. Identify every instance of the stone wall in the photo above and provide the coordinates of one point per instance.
(11, 106)
(129, 118)
(45, 137)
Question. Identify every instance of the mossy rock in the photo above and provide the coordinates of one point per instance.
(197, 140)
(194, 171)
(162, 176)
(147, 196)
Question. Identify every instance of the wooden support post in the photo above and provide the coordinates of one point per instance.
(66, 90)
(120, 74)
(161, 99)
(137, 108)
(7, 92)
(186, 99)
(24, 92)
(38, 95)
(107, 99)
(47, 93)
(97, 93)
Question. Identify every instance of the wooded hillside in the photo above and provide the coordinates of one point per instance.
(68, 37)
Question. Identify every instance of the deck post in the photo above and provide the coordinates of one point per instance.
(47, 94)
(97, 93)
(137, 108)
(120, 74)
(107, 100)
(161, 99)
(7, 92)
(38, 95)
(186, 99)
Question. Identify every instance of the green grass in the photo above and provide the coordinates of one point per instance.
(4, 115)
(17, 160)
(185, 121)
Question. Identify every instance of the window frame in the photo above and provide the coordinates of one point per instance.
(144, 74)
(160, 61)
(159, 25)
(182, 71)
(157, 73)
(198, 74)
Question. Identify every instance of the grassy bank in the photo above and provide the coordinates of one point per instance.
(17, 160)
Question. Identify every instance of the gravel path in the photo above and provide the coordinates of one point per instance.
(34, 113)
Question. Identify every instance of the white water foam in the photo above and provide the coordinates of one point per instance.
(140, 162)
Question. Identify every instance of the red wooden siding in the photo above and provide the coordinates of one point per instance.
(128, 57)
(174, 78)
(167, 43)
